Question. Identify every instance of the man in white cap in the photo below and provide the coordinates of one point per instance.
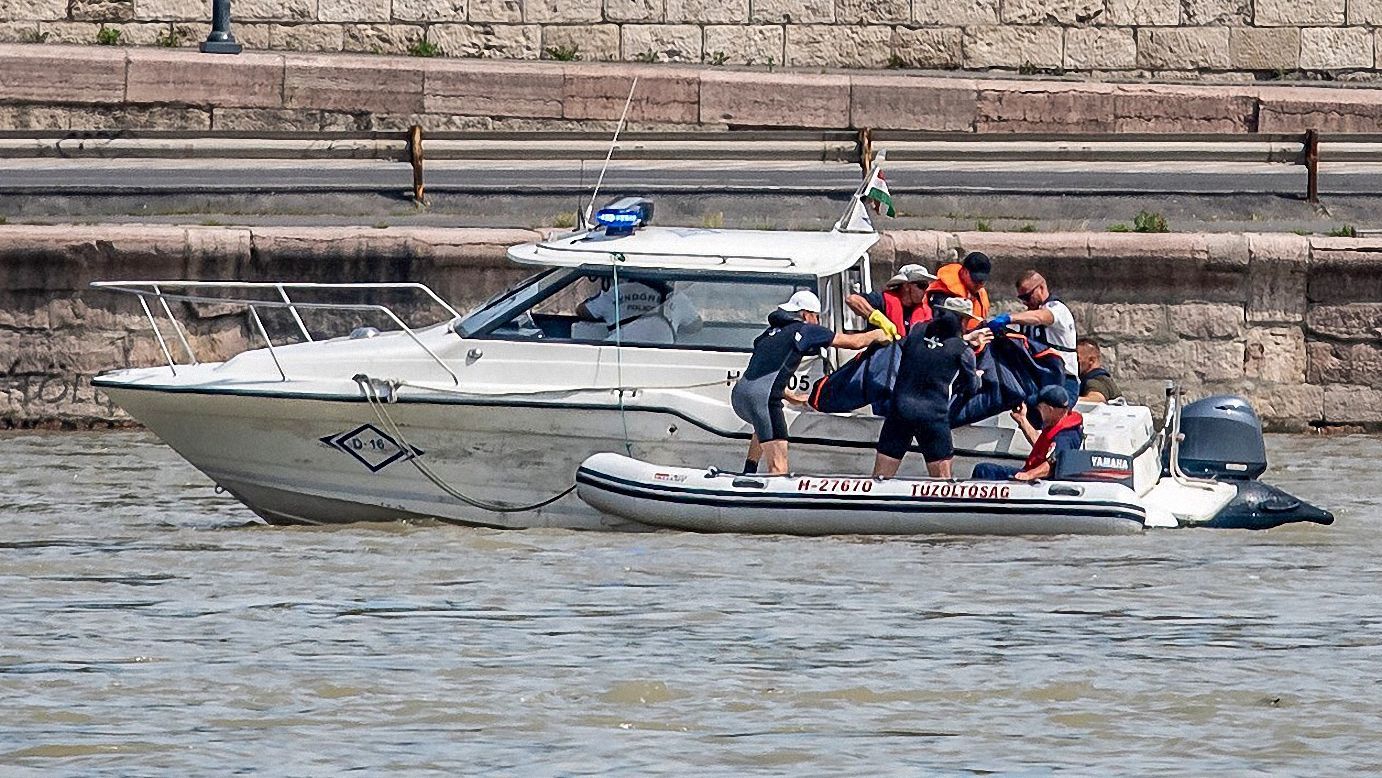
(794, 331)
(900, 305)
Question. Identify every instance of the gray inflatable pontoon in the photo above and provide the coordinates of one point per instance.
(711, 501)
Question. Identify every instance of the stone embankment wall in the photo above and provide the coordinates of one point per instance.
(1164, 38)
(1294, 323)
(78, 88)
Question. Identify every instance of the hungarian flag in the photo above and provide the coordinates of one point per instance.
(871, 194)
(877, 193)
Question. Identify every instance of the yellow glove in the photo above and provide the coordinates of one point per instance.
(882, 322)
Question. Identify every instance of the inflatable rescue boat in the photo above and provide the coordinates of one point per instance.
(708, 500)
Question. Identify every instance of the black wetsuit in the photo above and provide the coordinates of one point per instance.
(936, 363)
(777, 353)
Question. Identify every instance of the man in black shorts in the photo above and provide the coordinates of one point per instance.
(937, 362)
(794, 331)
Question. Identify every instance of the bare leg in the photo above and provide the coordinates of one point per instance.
(939, 468)
(755, 454)
(885, 466)
(774, 461)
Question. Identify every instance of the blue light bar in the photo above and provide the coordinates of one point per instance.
(622, 216)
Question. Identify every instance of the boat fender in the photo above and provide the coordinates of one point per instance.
(1262, 506)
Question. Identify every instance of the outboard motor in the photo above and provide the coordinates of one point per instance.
(1223, 440)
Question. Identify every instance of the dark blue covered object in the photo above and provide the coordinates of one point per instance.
(1015, 369)
(867, 379)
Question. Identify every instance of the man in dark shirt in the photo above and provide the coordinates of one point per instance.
(1096, 384)
(794, 331)
(936, 364)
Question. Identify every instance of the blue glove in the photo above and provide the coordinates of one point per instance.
(1000, 322)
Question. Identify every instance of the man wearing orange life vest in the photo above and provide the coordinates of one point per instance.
(1061, 430)
(964, 279)
(900, 306)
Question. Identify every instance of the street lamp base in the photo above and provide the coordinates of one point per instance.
(221, 47)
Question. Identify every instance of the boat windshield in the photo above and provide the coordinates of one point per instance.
(642, 307)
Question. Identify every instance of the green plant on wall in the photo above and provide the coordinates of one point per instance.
(107, 36)
(424, 48)
(563, 53)
(1149, 221)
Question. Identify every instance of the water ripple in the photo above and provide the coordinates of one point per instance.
(152, 625)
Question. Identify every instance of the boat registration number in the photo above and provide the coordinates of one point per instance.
(962, 490)
(835, 485)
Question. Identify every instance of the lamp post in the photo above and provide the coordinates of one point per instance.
(221, 40)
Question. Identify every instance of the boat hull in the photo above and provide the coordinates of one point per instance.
(702, 500)
(314, 460)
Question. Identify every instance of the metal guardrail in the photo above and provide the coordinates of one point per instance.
(849, 147)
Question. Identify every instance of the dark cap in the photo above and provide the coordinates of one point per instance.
(979, 265)
(1054, 396)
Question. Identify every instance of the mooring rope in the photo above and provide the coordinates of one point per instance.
(385, 418)
(619, 356)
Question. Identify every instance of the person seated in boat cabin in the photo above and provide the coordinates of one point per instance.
(1061, 430)
(644, 311)
(1096, 384)
(794, 331)
(900, 306)
(937, 363)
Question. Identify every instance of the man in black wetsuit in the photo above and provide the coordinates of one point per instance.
(794, 331)
(937, 362)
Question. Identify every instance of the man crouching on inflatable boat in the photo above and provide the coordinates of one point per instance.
(1061, 430)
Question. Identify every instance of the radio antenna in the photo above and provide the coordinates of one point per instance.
(590, 207)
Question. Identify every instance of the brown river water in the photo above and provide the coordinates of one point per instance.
(149, 627)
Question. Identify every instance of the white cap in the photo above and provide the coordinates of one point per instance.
(910, 274)
(961, 305)
(802, 301)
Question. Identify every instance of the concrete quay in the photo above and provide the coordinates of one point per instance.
(84, 87)
(1293, 322)
(1190, 40)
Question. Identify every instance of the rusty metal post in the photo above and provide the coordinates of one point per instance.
(1312, 166)
(866, 150)
(415, 156)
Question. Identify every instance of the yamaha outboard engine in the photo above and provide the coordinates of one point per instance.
(1223, 441)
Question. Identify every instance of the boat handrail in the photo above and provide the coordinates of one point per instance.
(156, 289)
(281, 286)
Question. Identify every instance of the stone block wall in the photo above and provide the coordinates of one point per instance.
(101, 87)
(1293, 323)
(1192, 39)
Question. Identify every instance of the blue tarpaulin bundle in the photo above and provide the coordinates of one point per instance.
(1015, 370)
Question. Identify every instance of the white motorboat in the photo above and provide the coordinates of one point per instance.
(483, 418)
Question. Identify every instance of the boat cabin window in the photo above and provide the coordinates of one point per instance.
(651, 308)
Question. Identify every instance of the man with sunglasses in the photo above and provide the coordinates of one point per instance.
(1047, 320)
